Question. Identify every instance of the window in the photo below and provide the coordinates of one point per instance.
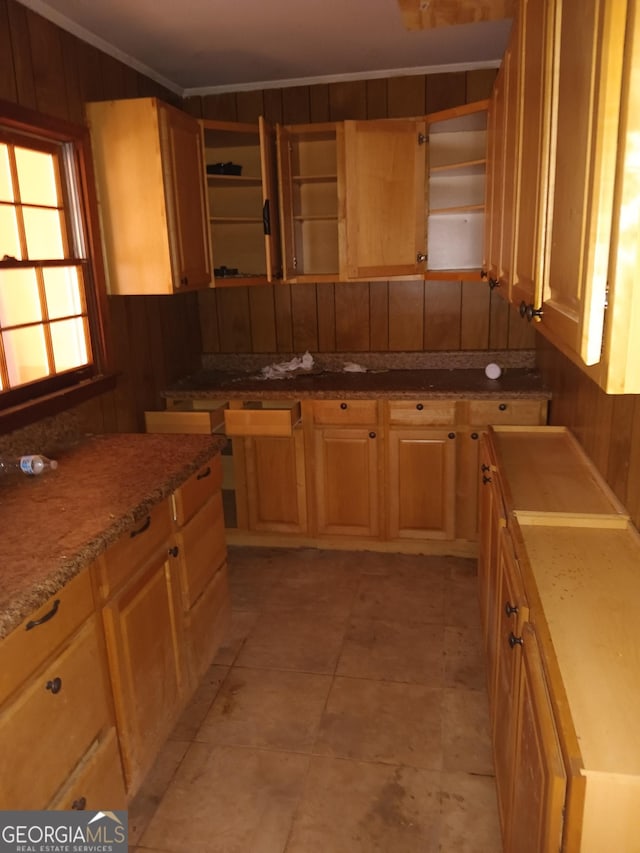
(51, 284)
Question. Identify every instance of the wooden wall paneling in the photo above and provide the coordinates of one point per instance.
(304, 318)
(73, 83)
(295, 105)
(325, 298)
(474, 320)
(406, 315)
(352, 317)
(48, 66)
(442, 309)
(113, 78)
(284, 327)
(263, 319)
(8, 91)
(141, 366)
(479, 84)
(632, 501)
(620, 445)
(208, 304)
(522, 335)
(25, 84)
(597, 434)
(348, 100)
(272, 100)
(498, 322)
(379, 315)
(193, 106)
(234, 320)
(377, 106)
(249, 106)
(90, 78)
(159, 356)
(445, 91)
(124, 394)
(180, 333)
(221, 107)
(319, 108)
(406, 96)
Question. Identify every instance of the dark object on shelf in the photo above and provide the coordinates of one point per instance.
(225, 272)
(224, 169)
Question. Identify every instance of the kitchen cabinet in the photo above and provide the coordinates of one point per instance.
(384, 197)
(202, 566)
(420, 470)
(54, 683)
(456, 190)
(567, 765)
(241, 176)
(345, 470)
(149, 168)
(144, 638)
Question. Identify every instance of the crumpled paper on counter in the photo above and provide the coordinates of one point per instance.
(284, 369)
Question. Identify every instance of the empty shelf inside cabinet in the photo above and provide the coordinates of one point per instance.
(273, 418)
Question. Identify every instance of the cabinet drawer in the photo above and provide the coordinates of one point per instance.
(133, 549)
(418, 412)
(197, 490)
(485, 412)
(49, 732)
(276, 419)
(202, 549)
(26, 648)
(345, 412)
(98, 782)
(187, 421)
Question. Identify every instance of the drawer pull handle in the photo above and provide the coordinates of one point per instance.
(343, 406)
(35, 622)
(173, 552)
(419, 407)
(514, 641)
(80, 804)
(503, 407)
(486, 479)
(510, 609)
(204, 474)
(55, 685)
(142, 529)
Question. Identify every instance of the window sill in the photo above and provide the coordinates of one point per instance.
(52, 404)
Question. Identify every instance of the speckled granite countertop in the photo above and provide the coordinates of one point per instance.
(514, 383)
(56, 524)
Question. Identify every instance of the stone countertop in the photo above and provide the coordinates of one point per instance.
(56, 524)
(381, 384)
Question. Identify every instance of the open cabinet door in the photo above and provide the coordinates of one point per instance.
(270, 209)
(285, 196)
(385, 197)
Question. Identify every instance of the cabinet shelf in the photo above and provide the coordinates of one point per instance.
(250, 220)
(234, 180)
(314, 179)
(316, 217)
(462, 168)
(463, 208)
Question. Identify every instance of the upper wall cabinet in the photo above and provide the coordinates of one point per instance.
(149, 168)
(241, 180)
(456, 190)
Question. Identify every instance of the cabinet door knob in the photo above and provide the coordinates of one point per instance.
(503, 407)
(510, 609)
(372, 435)
(474, 436)
(451, 435)
(54, 685)
(343, 405)
(421, 257)
(514, 641)
(80, 804)
(419, 407)
(493, 283)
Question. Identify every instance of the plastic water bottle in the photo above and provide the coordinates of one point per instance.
(31, 465)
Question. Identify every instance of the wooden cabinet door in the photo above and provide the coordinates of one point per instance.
(588, 54)
(512, 612)
(505, 272)
(346, 481)
(539, 777)
(384, 197)
(497, 135)
(186, 203)
(271, 217)
(143, 632)
(421, 481)
(275, 481)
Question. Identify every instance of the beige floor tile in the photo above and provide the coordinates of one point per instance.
(461, 605)
(229, 800)
(314, 593)
(466, 738)
(293, 640)
(393, 651)
(404, 596)
(463, 659)
(197, 709)
(356, 807)
(469, 814)
(242, 622)
(383, 721)
(267, 708)
(145, 803)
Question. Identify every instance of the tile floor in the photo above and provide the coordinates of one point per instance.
(346, 712)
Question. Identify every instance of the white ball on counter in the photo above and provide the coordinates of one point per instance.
(493, 371)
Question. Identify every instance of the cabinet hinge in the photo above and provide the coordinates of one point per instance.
(422, 139)
(294, 262)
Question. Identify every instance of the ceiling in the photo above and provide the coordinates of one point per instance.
(207, 46)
